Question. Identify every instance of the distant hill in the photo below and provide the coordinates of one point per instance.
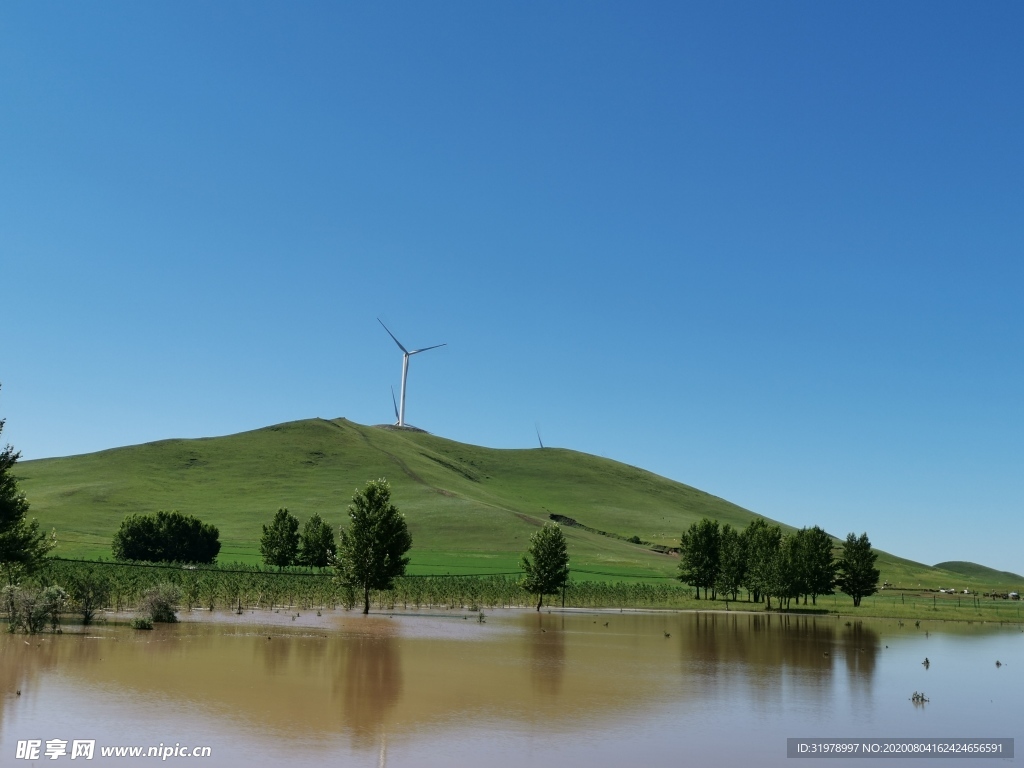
(470, 509)
(980, 572)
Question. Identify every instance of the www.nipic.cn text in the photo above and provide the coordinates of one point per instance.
(85, 749)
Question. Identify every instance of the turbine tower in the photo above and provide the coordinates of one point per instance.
(406, 354)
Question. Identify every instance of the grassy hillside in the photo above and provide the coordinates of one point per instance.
(980, 572)
(470, 509)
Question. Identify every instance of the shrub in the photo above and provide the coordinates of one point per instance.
(89, 589)
(160, 602)
(30, 609)
(166, 537)
(142, 623)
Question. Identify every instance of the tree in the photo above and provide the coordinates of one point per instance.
(699, 555)
(22, 545)
(279, 543)
(316, 545)
(818, 564)
(762, 543)
(548, 570)
(732, 555)
(785, 579)
(166, 537)
(371, 554)
(858, 576)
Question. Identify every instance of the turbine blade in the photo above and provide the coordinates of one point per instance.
(394, 403)
(393, 337)
(537, 427)
(417, 351)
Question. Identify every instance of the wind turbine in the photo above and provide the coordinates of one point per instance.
(406, 354)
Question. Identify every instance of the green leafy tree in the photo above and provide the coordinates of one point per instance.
(818, 564)
(546, 563)
(732, 557)
(371, 553)
(858, 576)
(316, 544)
(166, 537)
(699, 555)
(762, 544)
(785, 579)
(279, 543)
(22, 545)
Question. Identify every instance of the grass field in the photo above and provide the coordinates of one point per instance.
(470, 509)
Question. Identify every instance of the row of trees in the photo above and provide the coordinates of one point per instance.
(282, 545)
(769, 564)
(369, 556)
(171, 537)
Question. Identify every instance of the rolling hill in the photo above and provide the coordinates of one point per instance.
(470, 509)
(980, 572)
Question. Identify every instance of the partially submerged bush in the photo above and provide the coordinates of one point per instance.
(31, 609)
(160, 602)
(89, 589)
(142, 623)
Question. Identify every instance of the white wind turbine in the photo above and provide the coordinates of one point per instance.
(406, 354)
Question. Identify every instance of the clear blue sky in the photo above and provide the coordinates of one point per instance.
(770, 250)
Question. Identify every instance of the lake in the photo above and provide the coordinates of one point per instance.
(568, 688)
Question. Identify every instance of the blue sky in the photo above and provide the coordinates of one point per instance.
(772, 251)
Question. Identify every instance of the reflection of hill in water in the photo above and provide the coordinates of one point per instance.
(373, 676)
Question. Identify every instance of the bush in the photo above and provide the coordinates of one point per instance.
(160, 603)
(30, 609)
(166, 537)
(142, 623)
(89, 589)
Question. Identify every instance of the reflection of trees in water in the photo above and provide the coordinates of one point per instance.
(859, 645)
(371, 685)
(760, 651)
(547, 654)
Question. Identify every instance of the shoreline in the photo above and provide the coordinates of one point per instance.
(327, 618)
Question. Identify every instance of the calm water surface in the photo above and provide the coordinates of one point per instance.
(567, 689)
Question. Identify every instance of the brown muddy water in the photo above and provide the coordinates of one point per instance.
(566, 689)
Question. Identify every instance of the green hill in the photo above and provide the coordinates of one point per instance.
(470, 509)
(980, 572)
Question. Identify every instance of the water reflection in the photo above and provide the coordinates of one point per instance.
(547, 654)
(377, 686)
(761, 652)
(275, 655)
(371, 686)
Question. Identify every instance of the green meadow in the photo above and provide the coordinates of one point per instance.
(471, 510)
